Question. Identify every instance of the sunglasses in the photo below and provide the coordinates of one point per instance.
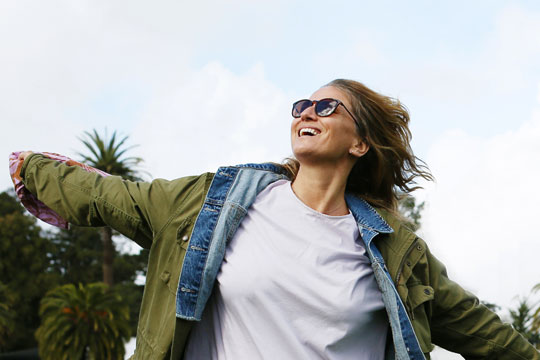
(323, 107)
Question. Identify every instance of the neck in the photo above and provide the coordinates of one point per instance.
(322, 188)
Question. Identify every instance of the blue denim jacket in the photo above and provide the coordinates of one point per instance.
(231, 193)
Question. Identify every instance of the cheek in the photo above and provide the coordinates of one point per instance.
(292, 138)
(294, 123)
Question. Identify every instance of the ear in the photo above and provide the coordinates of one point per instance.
(359, 148)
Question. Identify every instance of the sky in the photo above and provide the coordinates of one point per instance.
(202, 84)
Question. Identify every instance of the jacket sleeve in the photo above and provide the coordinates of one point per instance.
(461, 324)
(138, 210)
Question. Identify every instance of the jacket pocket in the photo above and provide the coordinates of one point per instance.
(419, 310)
(183, 233)
(175, 253)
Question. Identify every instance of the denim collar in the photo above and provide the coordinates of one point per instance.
(366, 216)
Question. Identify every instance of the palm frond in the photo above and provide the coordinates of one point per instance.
(85, 319)
(108, 154)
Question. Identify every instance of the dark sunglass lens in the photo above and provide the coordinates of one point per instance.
(326, 107)
(299, 107)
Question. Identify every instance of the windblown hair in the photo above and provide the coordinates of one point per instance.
(389, 168)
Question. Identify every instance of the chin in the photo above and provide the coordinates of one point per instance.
(306, 156)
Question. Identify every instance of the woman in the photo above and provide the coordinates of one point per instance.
(302, 260)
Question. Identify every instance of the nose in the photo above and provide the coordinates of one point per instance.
(308, 114)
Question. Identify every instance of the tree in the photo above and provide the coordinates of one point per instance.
(7, 315)
(77, 256)
(25, 258)
(33, 262)
(81, 322)
(109, 155)
(410, 210)
(535, 323)
(523, 319)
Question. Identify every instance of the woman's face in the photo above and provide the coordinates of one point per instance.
(332, 138)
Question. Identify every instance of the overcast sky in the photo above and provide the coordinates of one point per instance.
(208, 83)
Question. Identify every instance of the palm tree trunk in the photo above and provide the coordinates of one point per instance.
(108, 255)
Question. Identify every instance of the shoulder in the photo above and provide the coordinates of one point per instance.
(402, 236)
(405, 253)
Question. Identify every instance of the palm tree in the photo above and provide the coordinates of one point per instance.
(83, 322)
(108, 155)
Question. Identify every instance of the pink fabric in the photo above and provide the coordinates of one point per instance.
(29, 200)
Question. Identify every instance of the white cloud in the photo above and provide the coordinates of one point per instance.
(482, 211)
(499, 65)
(212, 118)
(64, 64)
(59, 56)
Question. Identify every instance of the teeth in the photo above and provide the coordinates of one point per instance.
(305, 131)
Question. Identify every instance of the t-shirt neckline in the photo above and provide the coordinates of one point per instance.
(313, 211)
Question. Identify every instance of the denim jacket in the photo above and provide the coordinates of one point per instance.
(231, 193)
(186, 223)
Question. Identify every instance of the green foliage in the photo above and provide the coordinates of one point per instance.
(78, 257)
(33, 262)
(108, 155)
(7, 315)
(8, 204)
(523, 319)
(410, 210)
(77, 254)
(83, 322)
(25, 257)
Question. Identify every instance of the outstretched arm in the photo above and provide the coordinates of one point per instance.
(136, 209)
(463, 325)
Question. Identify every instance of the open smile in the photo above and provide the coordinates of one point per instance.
(307, 131)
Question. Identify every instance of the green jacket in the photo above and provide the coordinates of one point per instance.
(160, 216)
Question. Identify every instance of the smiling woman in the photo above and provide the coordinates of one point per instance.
(390, 165)
(300, 260)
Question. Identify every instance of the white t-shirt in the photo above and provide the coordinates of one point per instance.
(294, 284)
